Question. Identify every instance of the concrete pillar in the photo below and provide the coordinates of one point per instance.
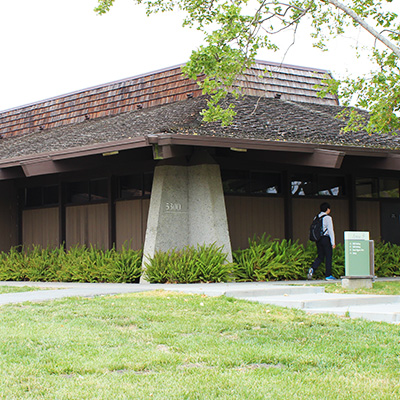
(187, 207)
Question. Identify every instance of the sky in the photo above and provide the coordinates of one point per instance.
(53, 47)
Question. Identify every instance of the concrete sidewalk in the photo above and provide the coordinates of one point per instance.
(299, 294)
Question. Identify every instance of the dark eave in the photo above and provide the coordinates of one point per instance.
(172, 145)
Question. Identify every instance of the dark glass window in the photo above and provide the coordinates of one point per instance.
(130, 186)
(87, 191)
(50, 195)
(78, 192)
(251, 182)
(302, 185)
(367, 187)
(98, 190)
(265, 183)
(235, 182)
(331, 185)
(41, 196)
(136, 185)
(33, 197)
(389, 188)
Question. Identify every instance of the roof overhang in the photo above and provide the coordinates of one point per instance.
(167, 146)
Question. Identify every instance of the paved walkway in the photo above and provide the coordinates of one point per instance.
(299, 294)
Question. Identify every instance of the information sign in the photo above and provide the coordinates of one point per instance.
(357, 253)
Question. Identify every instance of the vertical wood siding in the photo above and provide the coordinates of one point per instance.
(8, 216)
(369, 218)
(249, 216)
(87, 225)
(304, 210)
(40, 227)
(131, 222)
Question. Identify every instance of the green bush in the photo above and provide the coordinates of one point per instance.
(266, 259)
(78, 264)
(387, 259)
(269, 259)
(207, 263)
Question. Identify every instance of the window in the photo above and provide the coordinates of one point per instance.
(98, 190)
(235, 182)
(302, 185)
(136, 185)
(78, 192)
(50, 195)
(130, 186)
(95, 190)
(251, 182)
(367, 187)
(41, 196)
(389, 188)
(331, 186)
(265, 183)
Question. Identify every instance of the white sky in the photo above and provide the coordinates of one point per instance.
(53, 47)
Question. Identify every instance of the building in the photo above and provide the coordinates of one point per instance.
(81, 168)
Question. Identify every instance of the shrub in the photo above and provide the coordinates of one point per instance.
(12, 266)
(207, 263)
(78, 264)
(387, 259)
(266, 259)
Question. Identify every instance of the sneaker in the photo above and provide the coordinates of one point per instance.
(330, 278)
(309, 275)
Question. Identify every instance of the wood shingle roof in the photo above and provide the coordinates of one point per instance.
(154, 89)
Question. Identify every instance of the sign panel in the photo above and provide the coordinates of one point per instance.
(357, 254)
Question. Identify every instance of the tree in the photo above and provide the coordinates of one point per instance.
(234, 30)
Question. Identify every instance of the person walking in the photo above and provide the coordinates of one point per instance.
(325, 244)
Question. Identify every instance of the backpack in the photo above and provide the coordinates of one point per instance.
(316, 228)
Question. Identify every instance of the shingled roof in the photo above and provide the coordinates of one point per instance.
(261, 118)
(153, 89)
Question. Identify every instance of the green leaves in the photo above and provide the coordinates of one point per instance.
(78, 264)
(234, 31)
(264, 260)
(268, 259)
(104, 6)
(206, 263)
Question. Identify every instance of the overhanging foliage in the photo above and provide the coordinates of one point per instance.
(234, 31)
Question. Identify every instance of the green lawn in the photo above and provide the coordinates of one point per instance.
(162, 345)
(14, 289)
(387, 288)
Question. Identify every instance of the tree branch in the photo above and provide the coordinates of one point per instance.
(367, 27)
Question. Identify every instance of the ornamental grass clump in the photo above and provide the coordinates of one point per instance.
(77, 264)
(269, 259)
(204, 263)
(387, 259)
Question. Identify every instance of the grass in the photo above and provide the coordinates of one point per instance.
(162, 345)
(384, 288)
(14, 289)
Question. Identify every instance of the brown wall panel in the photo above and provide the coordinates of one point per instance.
(304, 210)
(8, 216)
(131, 222)
(86, 225)
(249, 216)
(40, 227)
(369, 219)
